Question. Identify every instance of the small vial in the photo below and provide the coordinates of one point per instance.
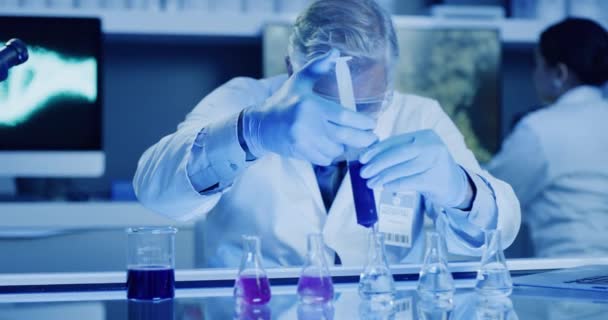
(150, 263)
(252, 285)
(436, 282)
(493, 277)
(315, 284)
(376, 283)
(365, 203)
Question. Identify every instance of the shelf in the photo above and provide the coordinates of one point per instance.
(250, 25)
(79, 215)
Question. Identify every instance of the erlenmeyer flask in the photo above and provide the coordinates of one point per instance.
(436, 281)
(252, 285)
(315, 284)
(493, 277)
(376, 283)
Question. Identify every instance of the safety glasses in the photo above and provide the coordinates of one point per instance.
(371, 106)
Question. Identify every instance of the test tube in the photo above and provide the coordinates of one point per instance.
(365, 203)
(150, 263)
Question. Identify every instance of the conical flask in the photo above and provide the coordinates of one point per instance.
(252, 285)
(376, 283)
(493, 277)
(315, 284)
(436, 281)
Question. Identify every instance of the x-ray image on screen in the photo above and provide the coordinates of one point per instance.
(459, 67)
(48, 78)
(52, 101)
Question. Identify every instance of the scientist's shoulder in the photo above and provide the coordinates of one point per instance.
(412, 105)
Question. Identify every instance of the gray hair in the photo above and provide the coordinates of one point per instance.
(359, 28)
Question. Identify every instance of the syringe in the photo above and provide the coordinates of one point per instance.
(365, 204)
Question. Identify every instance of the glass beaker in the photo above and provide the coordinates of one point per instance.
(315, 284)
(376, 283)
(150, 263)
(435, 281)
(493, 277)
(252, 285)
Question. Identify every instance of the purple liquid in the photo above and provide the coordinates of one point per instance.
(365, 204)
(150, 283)
(315, 289)
(252, 289)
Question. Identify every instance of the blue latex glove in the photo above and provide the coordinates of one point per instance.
(297, 123)
(417, 161)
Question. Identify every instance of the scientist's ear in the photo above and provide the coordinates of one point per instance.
(562, 73)
(288, 65)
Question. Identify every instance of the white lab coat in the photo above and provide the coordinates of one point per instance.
(556, 160)
(279, 199)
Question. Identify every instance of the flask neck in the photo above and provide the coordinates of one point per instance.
(252, 258)
(316, 254)
(376, 253)
(436, 251)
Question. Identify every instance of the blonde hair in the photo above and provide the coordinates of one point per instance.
(359, 28)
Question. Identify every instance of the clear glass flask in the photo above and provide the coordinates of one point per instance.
(150, 263)
(376, 283)
(315, 284)
(252, 285)
(493, 277)
(436, 281)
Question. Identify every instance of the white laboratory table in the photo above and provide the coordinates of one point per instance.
(207, 294)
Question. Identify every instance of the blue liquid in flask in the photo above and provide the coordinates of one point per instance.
(365, 203)
(150, 283)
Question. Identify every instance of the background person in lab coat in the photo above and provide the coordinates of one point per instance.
(262, 156)
(556, 159)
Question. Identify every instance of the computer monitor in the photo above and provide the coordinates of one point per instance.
(456, 65)
(51, 106)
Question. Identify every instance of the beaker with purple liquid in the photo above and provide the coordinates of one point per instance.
(151, 263)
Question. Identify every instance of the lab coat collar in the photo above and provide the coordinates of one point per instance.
(580, 95)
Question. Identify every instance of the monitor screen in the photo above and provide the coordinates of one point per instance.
(52, 102)
(457, 66)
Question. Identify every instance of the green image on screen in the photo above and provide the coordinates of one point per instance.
(459, 67)
(47, 77)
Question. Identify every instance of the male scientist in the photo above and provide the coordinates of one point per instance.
(265, 157)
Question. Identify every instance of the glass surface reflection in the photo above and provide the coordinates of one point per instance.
(323, 311)
(151, 310)
(218, 303)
